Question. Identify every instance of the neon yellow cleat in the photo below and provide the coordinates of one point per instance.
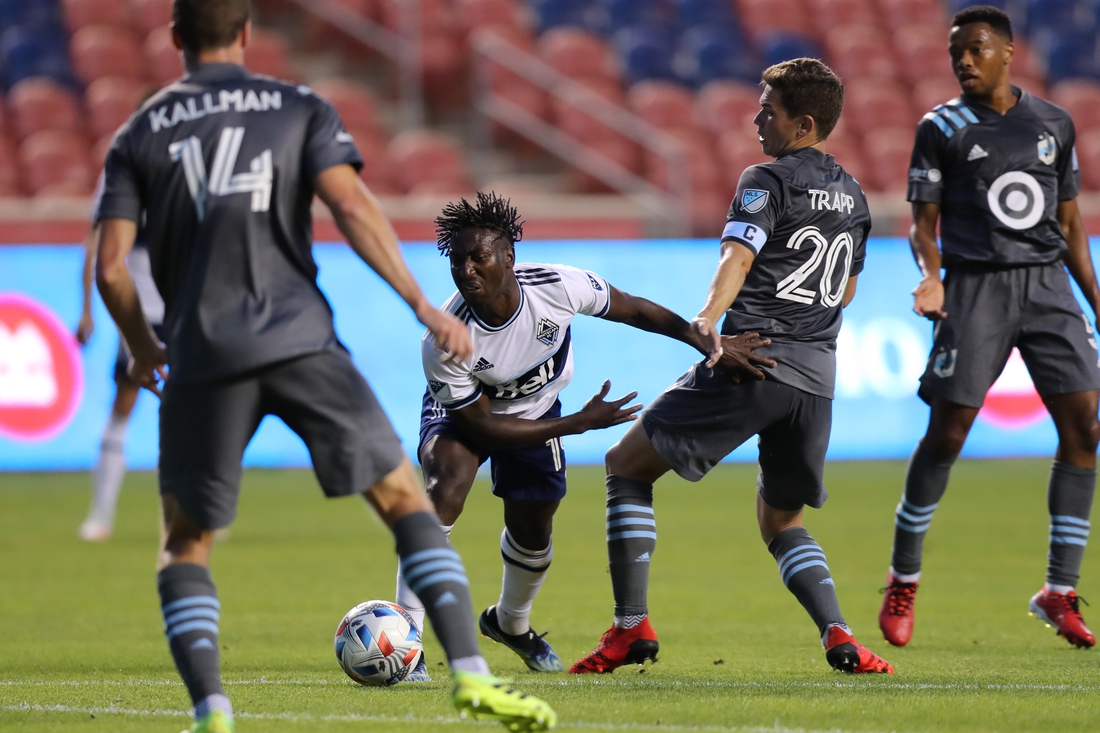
(485, 697)
(216, 721)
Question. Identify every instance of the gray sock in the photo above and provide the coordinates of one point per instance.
(434, 572)
(925, 483)
(189, 602)
(631, 540)
(805, 573)
(1069, 498)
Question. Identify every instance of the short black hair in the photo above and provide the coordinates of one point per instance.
(209, 24)
(808, 87)
(492, 212)
(997, 19)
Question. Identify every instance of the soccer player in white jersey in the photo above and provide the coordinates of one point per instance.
(503, 403)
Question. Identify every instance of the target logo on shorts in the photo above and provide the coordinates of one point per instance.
(1012, 401)
(41, 377)
(1017, 200)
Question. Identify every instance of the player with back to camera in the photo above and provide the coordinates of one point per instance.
(503, 404)
(997, 168)
(224, 166)
(791, 252)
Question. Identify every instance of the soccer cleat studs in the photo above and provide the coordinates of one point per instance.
(1062, 612)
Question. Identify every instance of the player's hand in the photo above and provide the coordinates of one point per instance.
(85, 328)
(707, 339)
(148, 371)
(928, 299)
(451, 335)
(738, 358)
(597, 414)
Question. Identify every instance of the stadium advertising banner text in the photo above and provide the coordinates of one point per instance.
(55, 397)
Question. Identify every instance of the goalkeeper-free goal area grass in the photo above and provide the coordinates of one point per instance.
(82, 646)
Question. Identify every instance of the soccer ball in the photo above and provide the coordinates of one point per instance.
(378, 643)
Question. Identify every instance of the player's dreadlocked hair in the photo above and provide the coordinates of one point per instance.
(491, 212)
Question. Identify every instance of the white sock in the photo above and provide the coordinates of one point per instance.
(409, 600)
(524, 571)
(903, 578)
(1052, 588)
(211, 703)
(477, 664)
(110, 470)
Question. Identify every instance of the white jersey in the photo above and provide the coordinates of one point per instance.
(522, 365)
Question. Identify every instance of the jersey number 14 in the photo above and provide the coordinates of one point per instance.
(838, 253)
(222, 181)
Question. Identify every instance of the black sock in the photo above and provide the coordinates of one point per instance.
(189, 603)
(1069, 498)
(631, 540)
(434, 572)
(925, 483)
(805, 573)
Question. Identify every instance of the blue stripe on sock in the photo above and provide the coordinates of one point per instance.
(1066, 519)
(1061, 540)
(188, 614)
(631, 535)
(808, 564)
(442, 576)
(913, 518)
(432, 554)
(192, 626)
(424, 568)
(798, 553)
(632, 520)
(1063, 529)
(914, 509)
(189, 602)
(916, 528)
(619, 508)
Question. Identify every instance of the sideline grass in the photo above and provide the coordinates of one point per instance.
(81, 646)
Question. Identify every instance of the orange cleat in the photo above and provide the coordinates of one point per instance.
(1060, 610)
(845, 654)
(618, 647)
(896, 617)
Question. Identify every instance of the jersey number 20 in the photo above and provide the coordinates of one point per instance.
(834, 254)
(222, 181)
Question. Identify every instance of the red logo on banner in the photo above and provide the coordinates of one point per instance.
(1012, 401)
(41, 379)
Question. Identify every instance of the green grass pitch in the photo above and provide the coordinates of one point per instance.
(81, 646)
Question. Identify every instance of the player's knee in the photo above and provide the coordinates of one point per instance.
(1086, 435)
(946, 445)
(448, 500)
(616, 460)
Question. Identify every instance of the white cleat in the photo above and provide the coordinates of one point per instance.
(92, 531)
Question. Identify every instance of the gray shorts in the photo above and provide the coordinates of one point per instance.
(991, 311)
(704, 416)
(204, 429)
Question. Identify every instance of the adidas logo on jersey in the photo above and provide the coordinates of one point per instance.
(482, 365)
(644, 557)
(977, 152)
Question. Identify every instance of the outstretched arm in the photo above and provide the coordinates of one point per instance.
(928, 296)
(1078, 257)
(733, 266)
(368, 231)
(648, 316)
(480, 425)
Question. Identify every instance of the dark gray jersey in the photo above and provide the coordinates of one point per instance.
(807, 221)
(997, 178)
(222, 163)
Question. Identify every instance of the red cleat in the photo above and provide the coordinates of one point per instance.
(896, 617)
(1060, 611)
(845, 654)
(618, 647)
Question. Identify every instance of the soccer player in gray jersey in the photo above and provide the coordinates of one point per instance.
(791, 253)
(997, 168)
(224, 166)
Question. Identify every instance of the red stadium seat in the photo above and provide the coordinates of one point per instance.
(105, 50)
(889, 149)
(98, 154)
(571, 109)
(320, 34)
(162, 58)
(416, 156)
(1081, 98)
(702, 169)
(900, 13)
(934, 91)
(111, 100)
(760, 18)
(577, 54)
(664, 105)
(56, 163)
(475, 14)
(40, 103)
(266, 53)
(443, 63)
(849, 155)
(352, 100)
(9, 169)
(921, 50)
(829, 13)
(435, 15)
(83, 13)
(444, 187)
(1088, 156)
(520, 38)
(1032, 85)
(146, 15)
(871, 104)
(860, 52)
(709, 207)
(726, 105)
(611, 147)
(736, 152)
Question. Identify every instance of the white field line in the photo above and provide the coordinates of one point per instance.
(434, 720)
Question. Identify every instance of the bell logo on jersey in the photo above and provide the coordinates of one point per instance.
(1048, 148)
(529, 383)
(831, 201)
(753, 200)
(546, 331)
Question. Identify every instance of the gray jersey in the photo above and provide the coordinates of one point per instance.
(998, 179)
(222, 164)
(807, 221)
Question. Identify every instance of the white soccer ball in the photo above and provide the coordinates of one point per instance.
(378, 643)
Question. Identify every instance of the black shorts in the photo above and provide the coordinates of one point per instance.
(204, 429)
(704, 416)
(991, 311)
(523, 473)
